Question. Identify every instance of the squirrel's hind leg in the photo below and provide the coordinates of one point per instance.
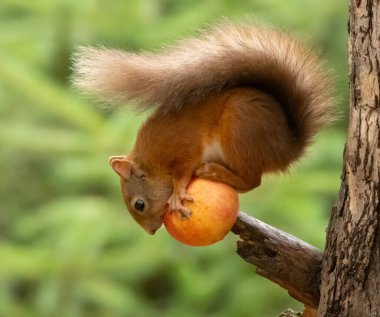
(220, 173)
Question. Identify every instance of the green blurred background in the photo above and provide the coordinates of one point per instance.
(68, 247)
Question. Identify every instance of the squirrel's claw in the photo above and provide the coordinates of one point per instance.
(175, 205)
(184, 212)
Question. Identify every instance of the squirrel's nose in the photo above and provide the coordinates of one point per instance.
(150, 230)
(152, 227)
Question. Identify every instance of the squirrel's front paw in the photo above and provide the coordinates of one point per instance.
(175, 205)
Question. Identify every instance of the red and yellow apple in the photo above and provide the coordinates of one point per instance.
(214, 210)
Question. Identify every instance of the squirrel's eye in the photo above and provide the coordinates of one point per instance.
(139, 205)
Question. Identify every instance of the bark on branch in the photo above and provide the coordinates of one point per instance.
(286, 260)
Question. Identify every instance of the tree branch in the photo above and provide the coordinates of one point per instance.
(286, 260)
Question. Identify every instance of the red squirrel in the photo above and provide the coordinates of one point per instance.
(236, 102)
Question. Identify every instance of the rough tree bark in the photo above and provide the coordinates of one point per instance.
(351, 263)
(278, 256)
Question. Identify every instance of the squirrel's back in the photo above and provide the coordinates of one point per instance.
(223, 57)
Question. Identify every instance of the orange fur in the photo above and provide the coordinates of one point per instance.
(229, 106)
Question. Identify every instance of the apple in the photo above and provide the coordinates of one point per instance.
(214, 210)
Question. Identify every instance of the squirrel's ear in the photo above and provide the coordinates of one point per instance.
(121, 165)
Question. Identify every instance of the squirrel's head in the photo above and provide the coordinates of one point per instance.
(145, 198)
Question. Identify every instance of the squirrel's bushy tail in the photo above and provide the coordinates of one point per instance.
(224, 57)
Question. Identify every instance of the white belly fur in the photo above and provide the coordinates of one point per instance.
(213, 152)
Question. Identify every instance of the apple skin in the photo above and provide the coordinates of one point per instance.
(214, 210)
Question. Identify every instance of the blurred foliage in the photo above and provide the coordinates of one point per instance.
(67, 245)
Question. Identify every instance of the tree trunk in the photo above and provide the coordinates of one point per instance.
(351, 263)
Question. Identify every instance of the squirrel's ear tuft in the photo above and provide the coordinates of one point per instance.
(121, 165)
